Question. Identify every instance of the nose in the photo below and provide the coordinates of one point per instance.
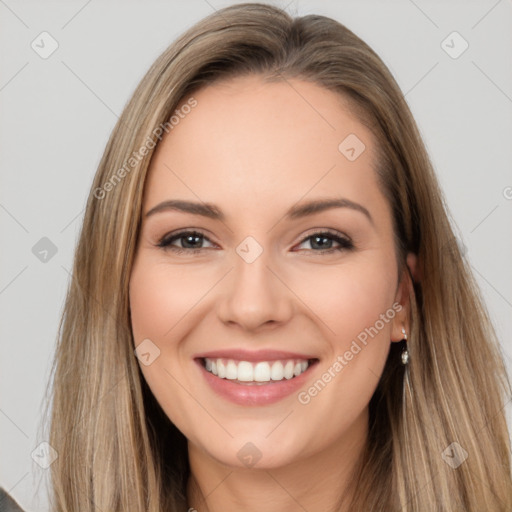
(255, 296)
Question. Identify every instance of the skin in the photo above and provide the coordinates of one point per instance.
(255, 149)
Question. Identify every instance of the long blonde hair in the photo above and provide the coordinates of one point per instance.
(117, 449)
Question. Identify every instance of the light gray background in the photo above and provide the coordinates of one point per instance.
(57, 113)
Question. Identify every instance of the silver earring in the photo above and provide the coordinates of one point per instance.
(405, 352)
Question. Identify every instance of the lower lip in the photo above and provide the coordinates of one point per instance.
(257, 393)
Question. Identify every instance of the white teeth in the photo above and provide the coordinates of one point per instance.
(288, 370)
(231, 371)
(245, 371)
(263, 371)
(221, 369)
(277, 371)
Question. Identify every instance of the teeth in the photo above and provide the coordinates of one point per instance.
(288, 369)
(221, 369)
(231, 371)
(245, 371)
(263, 371)
(277, 371)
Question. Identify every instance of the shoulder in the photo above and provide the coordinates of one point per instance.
(7, 503)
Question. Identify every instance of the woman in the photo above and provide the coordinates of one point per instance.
(269, 309)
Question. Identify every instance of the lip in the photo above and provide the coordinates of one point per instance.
(256, 394)
(253, 356)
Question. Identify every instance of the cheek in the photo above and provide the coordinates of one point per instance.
(355, 302)
(351, 298)
(159, 301)
(356, 305)
(160, 298)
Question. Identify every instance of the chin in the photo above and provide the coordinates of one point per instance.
(256, 452)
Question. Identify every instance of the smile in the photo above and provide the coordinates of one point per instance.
(251, 379)
(256, 372)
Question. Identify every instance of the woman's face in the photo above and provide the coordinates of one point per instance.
(293, 306)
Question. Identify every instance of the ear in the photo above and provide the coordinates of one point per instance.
(403, 293)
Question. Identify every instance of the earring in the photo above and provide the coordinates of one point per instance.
(405, 352)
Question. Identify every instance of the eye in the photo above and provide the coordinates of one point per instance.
(323, 242)
(190, 241)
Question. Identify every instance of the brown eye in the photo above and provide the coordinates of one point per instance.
(189, 241)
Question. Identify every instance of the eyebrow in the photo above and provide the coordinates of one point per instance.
(297, 211)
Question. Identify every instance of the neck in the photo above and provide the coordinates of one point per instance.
(316, 483)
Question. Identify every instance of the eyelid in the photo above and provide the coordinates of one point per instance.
(339, 237)
(319, 230)
(182, 232)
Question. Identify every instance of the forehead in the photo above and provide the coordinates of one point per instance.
(254, 144)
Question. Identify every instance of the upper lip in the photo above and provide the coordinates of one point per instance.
(253, 355)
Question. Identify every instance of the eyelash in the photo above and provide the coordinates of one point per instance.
(345, 243)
